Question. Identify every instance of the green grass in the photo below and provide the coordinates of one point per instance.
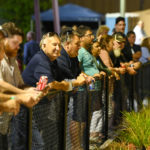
(136, 128)
(135, 131)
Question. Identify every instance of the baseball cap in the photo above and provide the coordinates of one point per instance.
(119, 37)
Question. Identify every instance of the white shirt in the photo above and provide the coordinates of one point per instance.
(140, 34)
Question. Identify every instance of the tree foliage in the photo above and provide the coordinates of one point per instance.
(20, 11)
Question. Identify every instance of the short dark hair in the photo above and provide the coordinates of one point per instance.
(12, 29)
(118, 19)
(31, 34)
(82, 30)
(130, 32)
(67, 34)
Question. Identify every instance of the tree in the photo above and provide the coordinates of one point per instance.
(21, 11)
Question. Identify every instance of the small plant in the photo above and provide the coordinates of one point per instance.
(136, 128)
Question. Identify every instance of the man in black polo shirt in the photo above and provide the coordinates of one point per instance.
(44, 64)
(132, 51)
(69, 66)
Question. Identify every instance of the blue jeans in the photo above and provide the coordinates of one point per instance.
(19, 133)
(47, 125)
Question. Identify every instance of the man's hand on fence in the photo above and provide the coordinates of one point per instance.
(97, 75)
(29, 99)
(122, 70)
(89, 79)
(63, 85)
(137, 65)
(81, 79)
(131, 70)
(102, 74)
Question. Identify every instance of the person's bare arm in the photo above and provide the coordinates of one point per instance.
(67, 85)
(11, 106)
(6, 87)
(63, 85)
(27, 99)
(4, 97)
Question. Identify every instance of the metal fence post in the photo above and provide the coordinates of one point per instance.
(30, 129)
(65, 118)
(88, 119)
(106, 82)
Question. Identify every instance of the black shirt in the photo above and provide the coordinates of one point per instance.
(68, 66)
(128, 52)
(40, 65)
(117, 60)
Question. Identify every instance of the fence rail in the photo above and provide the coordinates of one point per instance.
(50, 123)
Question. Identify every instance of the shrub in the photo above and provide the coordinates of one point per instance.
(136, 128)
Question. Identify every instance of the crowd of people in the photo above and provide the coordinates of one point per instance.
(71, 61)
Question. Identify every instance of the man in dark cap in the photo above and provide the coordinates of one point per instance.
(120, 24)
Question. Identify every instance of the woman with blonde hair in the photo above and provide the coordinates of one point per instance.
(102, 30)
(145, 48)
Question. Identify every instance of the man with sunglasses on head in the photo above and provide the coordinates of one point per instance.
(44, 64)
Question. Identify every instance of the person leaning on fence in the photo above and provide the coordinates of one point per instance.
(10, 77)
(120, 61)
(97, 47)
(88, 66)
(145, 49)
(97, 121)
(45, 63)
(69, 66)
(132, 51)
(6, 103)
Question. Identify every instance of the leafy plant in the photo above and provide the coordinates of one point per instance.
(136, 128)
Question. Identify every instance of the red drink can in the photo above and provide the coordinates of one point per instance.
(123, 66)
(42, 83)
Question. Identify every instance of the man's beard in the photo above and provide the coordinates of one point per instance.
(9, 51)
(117, 52)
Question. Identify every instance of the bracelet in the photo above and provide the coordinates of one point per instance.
(13, 97)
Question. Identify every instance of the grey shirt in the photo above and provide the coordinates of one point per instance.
(9, 72)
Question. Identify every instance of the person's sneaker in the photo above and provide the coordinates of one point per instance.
(94, 140)
(106, 144)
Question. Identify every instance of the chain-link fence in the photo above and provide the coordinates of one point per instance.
(69, 121)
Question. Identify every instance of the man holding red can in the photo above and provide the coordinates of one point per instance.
(44, 64)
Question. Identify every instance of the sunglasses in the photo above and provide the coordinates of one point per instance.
(52, 34)
(68, 33)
